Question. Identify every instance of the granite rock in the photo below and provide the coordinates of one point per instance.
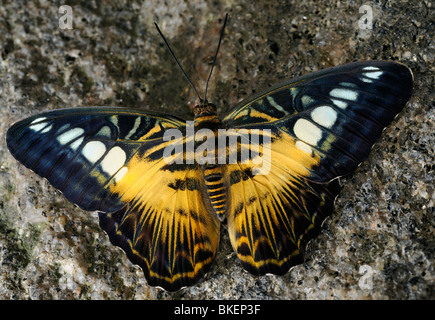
(378, 244)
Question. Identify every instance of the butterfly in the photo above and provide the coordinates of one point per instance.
(167, 215)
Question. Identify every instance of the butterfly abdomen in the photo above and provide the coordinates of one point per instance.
(216, 190)
(207, 122)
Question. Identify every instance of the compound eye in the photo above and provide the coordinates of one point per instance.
(211, 108)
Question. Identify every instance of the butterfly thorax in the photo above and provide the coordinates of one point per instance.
(206, 116)
(207, 124)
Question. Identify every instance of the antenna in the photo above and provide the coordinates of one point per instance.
(215, 56)
(212, 66)
(175, 58)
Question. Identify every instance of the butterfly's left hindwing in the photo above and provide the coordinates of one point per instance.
(166, 227)
(111, 160)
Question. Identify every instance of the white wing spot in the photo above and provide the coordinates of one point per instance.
(37, 120)
(63, 128)
(76, 144)
(70, 135)
(274, 104)
(348, 84)
(366, 80)
(345, 94)
(93, 151)
(325, 116)
(370, 68)
(373, 75)
(339, 103)
(304, 147)
(113, 160)
(47, 129)
(134, 129)
(38, 124)
(104, 132)
(114, 120)
(120, 174)
(307, 131)
(307, 100)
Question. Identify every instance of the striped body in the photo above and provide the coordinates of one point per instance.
(213, 174)
(216, 190)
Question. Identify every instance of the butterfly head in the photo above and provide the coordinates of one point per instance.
(204, 109)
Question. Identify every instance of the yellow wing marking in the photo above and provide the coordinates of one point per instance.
(263, 209)
(240, 110)
(170, 219)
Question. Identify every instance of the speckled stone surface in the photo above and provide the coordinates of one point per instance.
(378, 244)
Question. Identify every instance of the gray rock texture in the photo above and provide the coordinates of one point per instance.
(378, 244)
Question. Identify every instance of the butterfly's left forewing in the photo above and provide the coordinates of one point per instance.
(111, 160)
(322, 126)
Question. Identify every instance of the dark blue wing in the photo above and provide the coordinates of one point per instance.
(111, 160)
(321, 126)
(336, 114)
(82, 151)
